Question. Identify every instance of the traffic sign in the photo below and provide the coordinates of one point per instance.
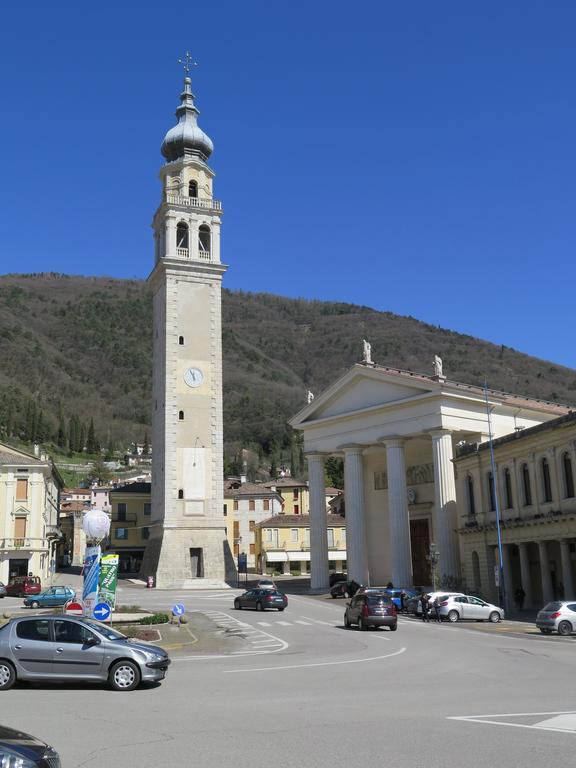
(74, 608)
(178, 609)
(102, 611)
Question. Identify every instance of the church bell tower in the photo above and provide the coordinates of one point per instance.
(187, 545)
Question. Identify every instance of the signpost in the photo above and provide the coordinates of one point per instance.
(242, 566)
(74, 608)
(91, 573)
(102, 612)
(178, 609)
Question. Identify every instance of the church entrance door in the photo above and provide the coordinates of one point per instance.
(420, 540)
(197, 562)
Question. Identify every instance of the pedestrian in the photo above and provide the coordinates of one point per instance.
(389, 585)
(519, 596)
(402, 601)
(424, 606)
(437, 609)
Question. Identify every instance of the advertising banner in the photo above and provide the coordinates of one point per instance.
(91, 573)
(108, 580)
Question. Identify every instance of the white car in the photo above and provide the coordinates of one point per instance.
(266, 584)
(456, 607)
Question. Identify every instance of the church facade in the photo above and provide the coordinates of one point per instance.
(187, 546)
(398, 432)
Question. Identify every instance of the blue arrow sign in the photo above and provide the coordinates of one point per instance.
(102, 611)
(178, 609)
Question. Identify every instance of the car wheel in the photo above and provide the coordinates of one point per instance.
(124, 676)
(237, 605)
(346, 621)
(494, 617)
(361, 625)
(564, 628)
(394, 627)
(545, 631)
(280, 609)
(34, 604)
(453, 616)
(7, 675)
(259, 606)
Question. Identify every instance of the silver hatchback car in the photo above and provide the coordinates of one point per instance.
(558, 616)
(64, 648)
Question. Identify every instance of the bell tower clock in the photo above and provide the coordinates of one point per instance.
(187, 545)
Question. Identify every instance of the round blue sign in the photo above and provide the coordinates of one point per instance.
(178, 609)
(102, 611)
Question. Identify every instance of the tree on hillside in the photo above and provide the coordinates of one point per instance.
(91, 439)
(334, 472)
(61, 436)
(81, 444)
(99, 473)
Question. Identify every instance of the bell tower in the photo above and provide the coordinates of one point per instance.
(187, 546)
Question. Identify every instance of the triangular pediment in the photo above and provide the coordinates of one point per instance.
(364, 387)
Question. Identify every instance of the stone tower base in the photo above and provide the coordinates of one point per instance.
(187, 558)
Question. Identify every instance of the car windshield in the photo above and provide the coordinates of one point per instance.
(377, 600)
(552, 607)
(108, 632)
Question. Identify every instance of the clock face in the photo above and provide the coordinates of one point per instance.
(194, 377)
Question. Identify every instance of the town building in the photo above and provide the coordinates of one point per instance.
(397, 432)
(130, 524)
(294, 493)
(187, 546)
(29, 532)
(283, 544)
(535, 491)
(246, 505)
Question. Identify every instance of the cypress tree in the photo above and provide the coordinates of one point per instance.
(91, 440)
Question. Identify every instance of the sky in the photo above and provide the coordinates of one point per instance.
(416, 157)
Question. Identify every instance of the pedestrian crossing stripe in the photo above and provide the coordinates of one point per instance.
(561, 722)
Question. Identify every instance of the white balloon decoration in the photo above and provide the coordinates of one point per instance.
(96, 525)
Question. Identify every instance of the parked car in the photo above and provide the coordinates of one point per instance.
(371, 609)
(558, 616)
(21, 749)
(457, 607)
(334, 578)
(21, 586)
(266, 584)
(413, 605)
(395, 595)
(345, 589)
(261, 599)
(3, 591)
(50, 597)
(84, 649)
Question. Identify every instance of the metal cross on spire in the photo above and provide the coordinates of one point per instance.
(187, 62)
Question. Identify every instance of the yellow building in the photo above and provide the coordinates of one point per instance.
(130, 525)
(296, 496)
(29, 533)
(283, 544)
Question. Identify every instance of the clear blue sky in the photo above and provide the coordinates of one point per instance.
(414, 157)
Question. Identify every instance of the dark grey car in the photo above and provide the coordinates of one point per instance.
(63, 648)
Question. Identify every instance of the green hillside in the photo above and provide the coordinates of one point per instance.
(75, 349)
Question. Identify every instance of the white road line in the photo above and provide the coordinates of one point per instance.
(283, 623)
(305, 623)
(317, 664)
(264, 624)
(333, 623)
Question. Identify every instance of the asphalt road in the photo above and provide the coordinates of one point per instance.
(303, 691)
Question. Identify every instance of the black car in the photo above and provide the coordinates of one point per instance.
(334, 578)
(345, 589)
(261, 599)
(17, 748)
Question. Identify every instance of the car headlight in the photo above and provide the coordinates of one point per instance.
(149, 656)
(11, 759)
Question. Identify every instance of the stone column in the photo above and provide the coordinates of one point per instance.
(357, 556)
(445, 504)
(567, 578)
(534, 482)
(526, 581)
(170, 237)
(547, 594)
(399, 521)
(319, 578)
(555, 476)
(506, 568)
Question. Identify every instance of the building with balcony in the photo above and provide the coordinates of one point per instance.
(535, 473)
(29, 532)
(131, 508)
(283, 544)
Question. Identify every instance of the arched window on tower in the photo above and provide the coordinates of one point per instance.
(508, 498)
(470, 494)
(192, 188)
(546, 485)
(204, 241)
(526, 486)
(180, 493)
(568, 475)
(491, 494)
(181, 415)
(182, 239)
(181, 340)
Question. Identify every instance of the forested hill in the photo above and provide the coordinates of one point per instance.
(81, 347)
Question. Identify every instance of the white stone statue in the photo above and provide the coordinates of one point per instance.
(309, 397)
(437, 366)
(367, 359)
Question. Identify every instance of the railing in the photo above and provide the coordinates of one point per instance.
(194, 202)
(24, 542)
(182, 252)
(204, 255)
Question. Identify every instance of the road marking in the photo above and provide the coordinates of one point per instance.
(264, 623)
(283, 623)
(333, 623)
(304, 623)
(561, 722)
(262, 642)
(317, 664)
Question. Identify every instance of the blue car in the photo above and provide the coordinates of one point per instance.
(50, 597)
(394, 595)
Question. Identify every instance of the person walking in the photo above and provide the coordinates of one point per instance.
(424, 606)
(520, 596)
(437, 609)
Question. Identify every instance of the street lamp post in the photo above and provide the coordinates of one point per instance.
(433, 558)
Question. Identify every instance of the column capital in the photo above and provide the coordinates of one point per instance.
(440, 432)
(394, 441)
(315, 456)
(352, 448)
